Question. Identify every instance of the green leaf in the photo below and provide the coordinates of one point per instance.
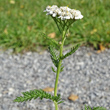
(60, 102)
(54, 56)
(87, 108)
(51, 41)
(99, 108)
(71, 52)
(34, 94)
(53, 69)
(61, 69)
(94, 108)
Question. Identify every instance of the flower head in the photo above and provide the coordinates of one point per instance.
(63, 12)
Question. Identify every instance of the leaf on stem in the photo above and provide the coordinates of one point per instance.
(34, 94)
(99, 108)
(61, 69)
(71, 52)
(51, 41)
(54, 56)
(87, 108)
(94, 108)
(53, 69)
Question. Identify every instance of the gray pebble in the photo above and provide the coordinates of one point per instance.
(15, 108)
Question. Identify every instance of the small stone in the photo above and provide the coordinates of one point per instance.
(15, 108)
(80, 63)
(32, 105)
(4, 107)
(28, 82)
(11, 90)
(62, 80)
(92, 96)
(0, 95)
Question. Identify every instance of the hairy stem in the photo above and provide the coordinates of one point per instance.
(58, 69)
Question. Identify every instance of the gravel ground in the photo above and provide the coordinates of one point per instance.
(86, 74)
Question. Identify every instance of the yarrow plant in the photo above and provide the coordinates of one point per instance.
(63, 17)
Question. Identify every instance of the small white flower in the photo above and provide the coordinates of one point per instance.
(65, 8)
(77, 14)
(63, 12)
(66, 17)
(69, 15)
(54, 6)
(51, 12)
(79, 17)
(58, 11)
(47, 9)
(54, 15)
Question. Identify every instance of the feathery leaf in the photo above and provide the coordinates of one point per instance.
(52, 41)
(94, 108)
(99, 108)
(53, 69)
(54, 56)
(61, 69)
(34, 94)
(71, 52)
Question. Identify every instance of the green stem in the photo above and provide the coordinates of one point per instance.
(57, 24)
(58, 69)
(56, 105)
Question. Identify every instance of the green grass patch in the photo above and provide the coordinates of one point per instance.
(23, 21)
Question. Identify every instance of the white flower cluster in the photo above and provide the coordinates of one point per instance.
(63, 12)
